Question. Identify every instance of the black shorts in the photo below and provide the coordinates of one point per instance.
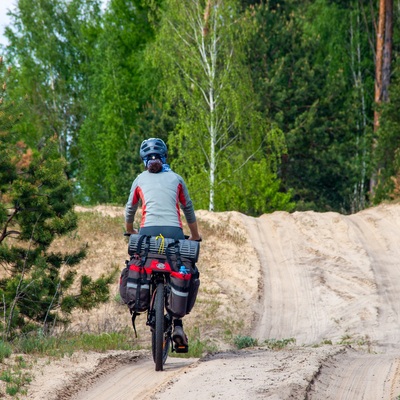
(172, 232)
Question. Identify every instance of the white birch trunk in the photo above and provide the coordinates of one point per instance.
(212, 105)
(205, 27)
(358, 201)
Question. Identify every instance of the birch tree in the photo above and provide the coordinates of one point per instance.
(220, 135)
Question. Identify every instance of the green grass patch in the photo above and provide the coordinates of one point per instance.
(242, 342)
(104, 342)
(5, 350)
(67, 344)
(16, 377)
(279, 344)
(346, 340)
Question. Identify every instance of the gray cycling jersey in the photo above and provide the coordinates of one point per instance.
(161, 195)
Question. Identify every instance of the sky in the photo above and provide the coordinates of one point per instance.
(5, 5)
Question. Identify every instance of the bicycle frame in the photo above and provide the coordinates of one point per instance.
(158, 318)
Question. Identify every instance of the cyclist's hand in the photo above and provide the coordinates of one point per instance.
(196, 238)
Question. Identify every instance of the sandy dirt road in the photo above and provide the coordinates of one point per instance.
(134, 380)
(328, 281)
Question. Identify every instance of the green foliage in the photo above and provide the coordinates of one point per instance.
(219, 134)
(387, 152)
(16, 378)
(121, 111)
(304, 75)
(289, 81)
(57, 346)
(5, 350)
(36, 206)
(241, 342)
(278, 344)
(51, 41)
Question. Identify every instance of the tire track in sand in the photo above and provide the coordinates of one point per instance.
(350, 266)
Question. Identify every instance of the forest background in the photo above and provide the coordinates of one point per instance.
(264, 105)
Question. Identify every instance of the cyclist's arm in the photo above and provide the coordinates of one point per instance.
(129, 228)
(194, 231)
(131, 207)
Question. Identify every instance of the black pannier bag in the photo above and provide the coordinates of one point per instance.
(193, 289)
(123, 280)
(179, 292)
(135, 285)
(184, 286)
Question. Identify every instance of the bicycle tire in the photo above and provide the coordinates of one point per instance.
(160, 338)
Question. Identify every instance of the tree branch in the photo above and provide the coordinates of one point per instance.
(4, 233)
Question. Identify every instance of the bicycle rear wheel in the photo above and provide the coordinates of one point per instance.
(160, 337)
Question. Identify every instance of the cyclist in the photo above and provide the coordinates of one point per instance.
(161, 193)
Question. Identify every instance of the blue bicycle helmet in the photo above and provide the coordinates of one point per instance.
(153, 147)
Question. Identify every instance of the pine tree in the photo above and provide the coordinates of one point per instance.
(313, 86)
(36, 206)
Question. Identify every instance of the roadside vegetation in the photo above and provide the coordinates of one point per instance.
(19, 357)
